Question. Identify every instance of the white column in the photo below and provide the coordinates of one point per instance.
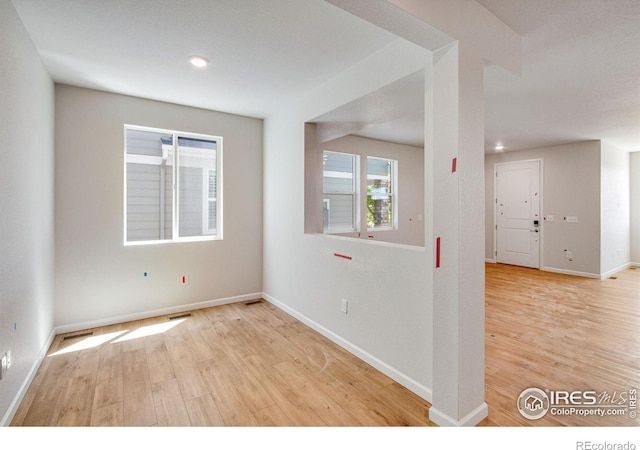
(455, 134)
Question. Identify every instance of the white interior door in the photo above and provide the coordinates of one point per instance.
(518, 213)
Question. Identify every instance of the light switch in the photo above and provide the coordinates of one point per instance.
(549, 218)
(572, 219)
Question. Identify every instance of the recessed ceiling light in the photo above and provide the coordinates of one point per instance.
(199, 61)
(499, 147)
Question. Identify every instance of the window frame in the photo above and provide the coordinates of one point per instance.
(354, 194)
(207, 234)
(393, 194)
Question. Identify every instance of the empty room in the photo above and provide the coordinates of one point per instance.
(309, 213)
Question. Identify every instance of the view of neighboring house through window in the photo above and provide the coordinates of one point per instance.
(381, 193)
(339, 181)
(172, 186)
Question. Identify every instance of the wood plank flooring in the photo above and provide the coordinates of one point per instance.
(233, 365)
(253, 365)
(559, 332)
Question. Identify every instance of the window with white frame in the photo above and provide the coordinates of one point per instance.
(172, 186)
(381, 193)
(340, 192)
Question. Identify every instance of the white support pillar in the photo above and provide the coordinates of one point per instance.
(455, 132)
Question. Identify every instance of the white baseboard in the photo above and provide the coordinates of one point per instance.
(601, 276)
(570, 272)
(489, 260)
(408, 382)
(70, 328)
(470, 420)
(616, 270)
(15, 404)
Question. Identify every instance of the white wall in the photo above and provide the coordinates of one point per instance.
(571, 187)
(615, 225)
(27, 203)
(634, 163)
(389, 322)
(410, 159)
(98, 279)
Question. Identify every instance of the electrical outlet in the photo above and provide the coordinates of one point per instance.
(345, 306)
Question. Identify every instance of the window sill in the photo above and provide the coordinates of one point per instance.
(173, 241)
(339, 232)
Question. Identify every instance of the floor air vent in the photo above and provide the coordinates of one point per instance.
(181, 316)
(79, 335)
(253, 302)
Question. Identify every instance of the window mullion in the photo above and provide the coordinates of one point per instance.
(162, 186)
(176, 204)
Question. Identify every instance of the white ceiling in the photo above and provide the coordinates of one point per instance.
(580, 78)
(580, 74)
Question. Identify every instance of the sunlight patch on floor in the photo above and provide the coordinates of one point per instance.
(119, 336)
(150, 330)
(89, 342)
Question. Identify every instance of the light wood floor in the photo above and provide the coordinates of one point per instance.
(559, 332)
(254, 365)
(232, 365)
